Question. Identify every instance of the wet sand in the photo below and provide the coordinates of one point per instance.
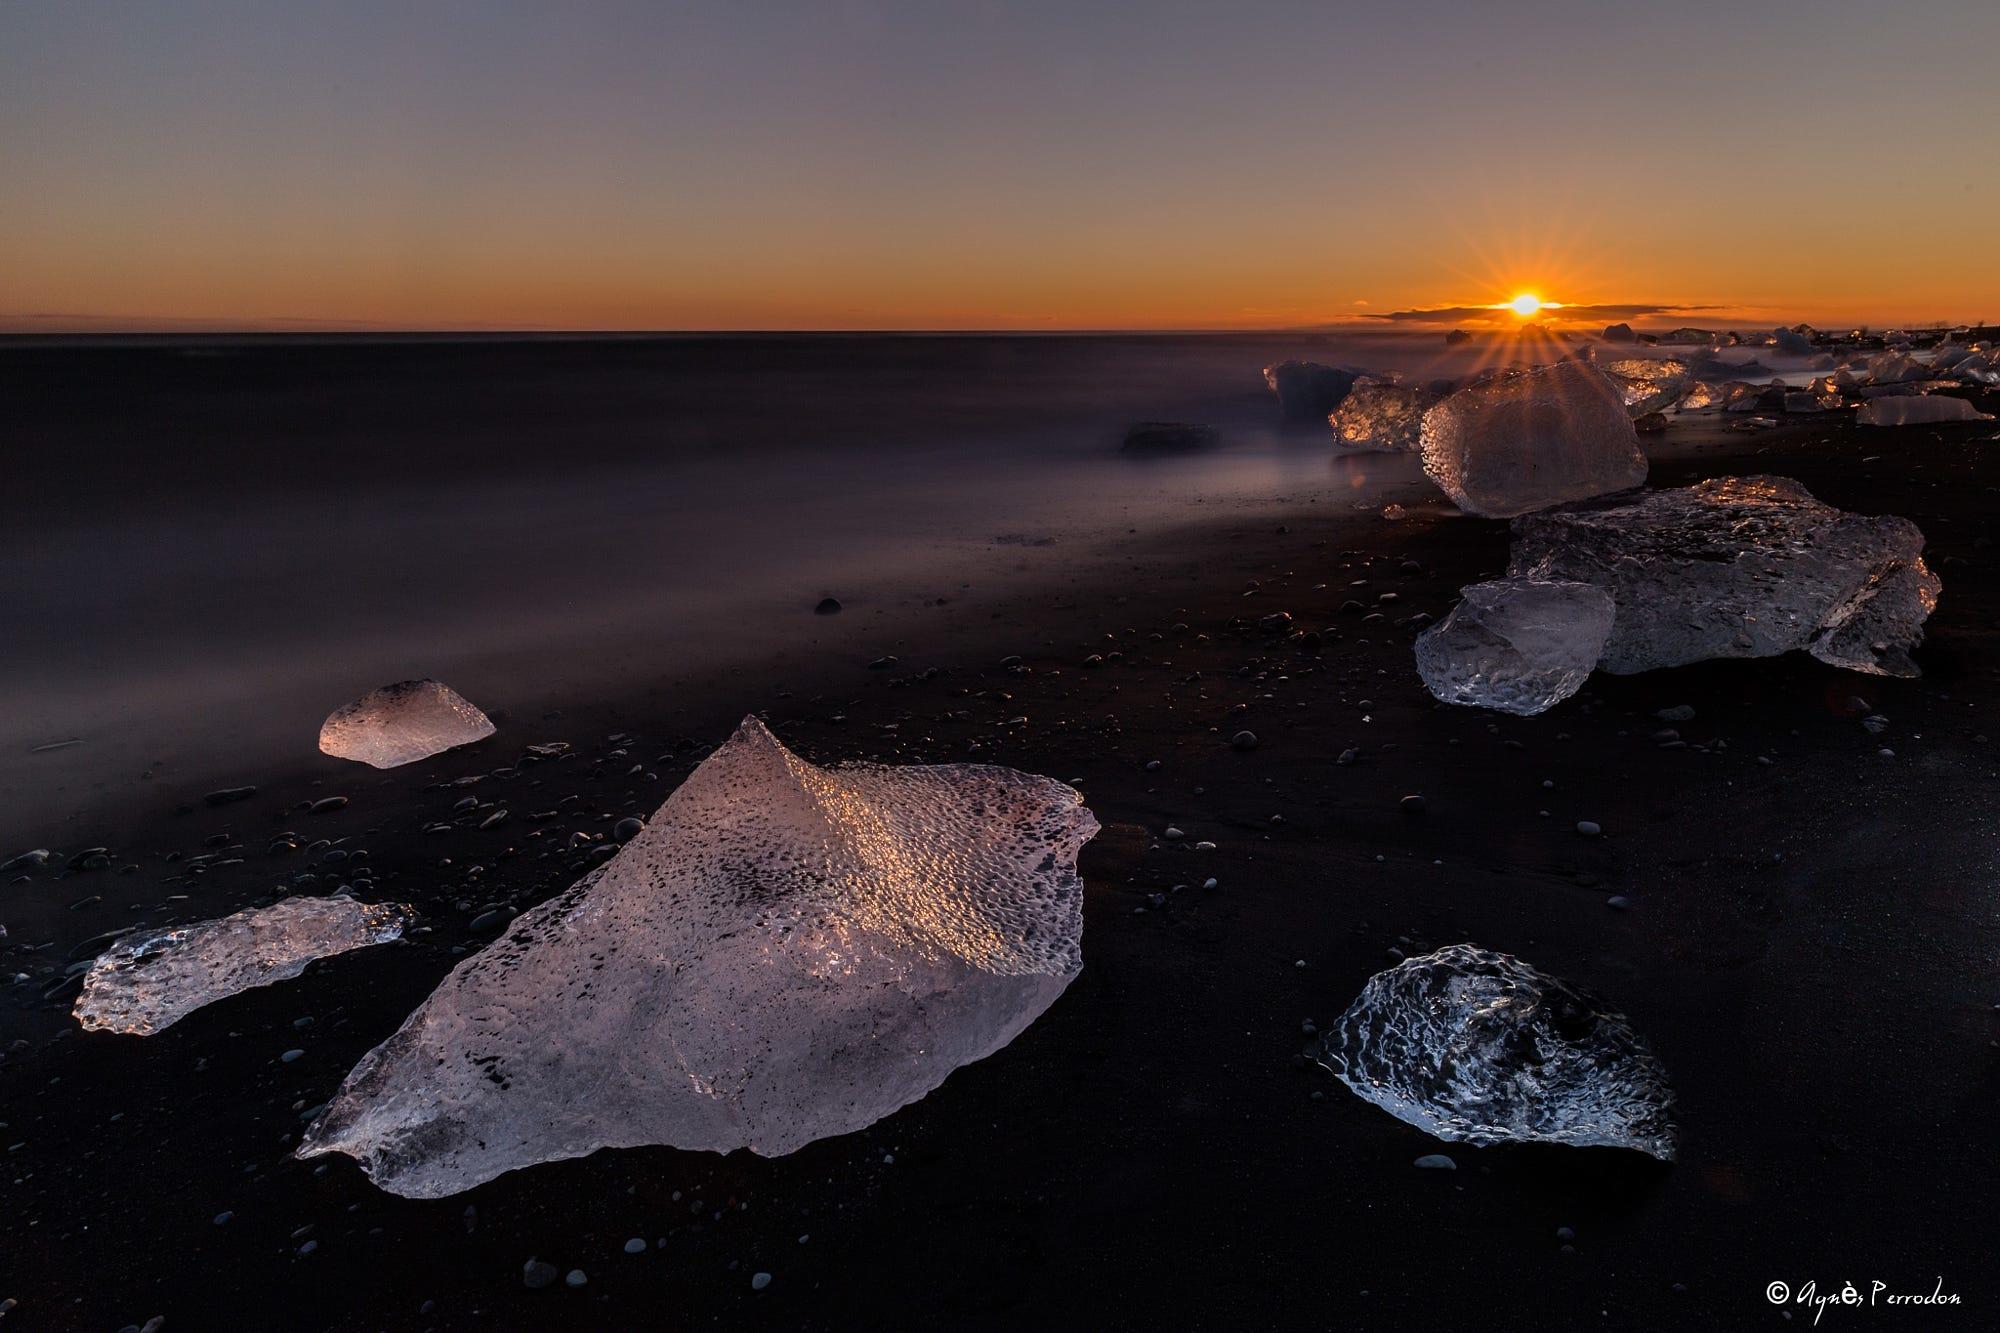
(1809, 945)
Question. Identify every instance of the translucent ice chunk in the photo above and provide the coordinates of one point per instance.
(1478, 1047)
(1918, 411)
(1516, 645)
(1646, 384)
(1381, 415)
(153, 978)
(784, 953)
(1739, 567)
(1524, 442)
(1307, 390)
(402, 723)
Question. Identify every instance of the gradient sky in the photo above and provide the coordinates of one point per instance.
(1027, 164)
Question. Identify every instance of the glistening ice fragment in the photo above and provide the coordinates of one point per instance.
(402, 723)
(1478, 1047)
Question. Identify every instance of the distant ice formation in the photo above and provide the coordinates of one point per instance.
(1516, 645)
(1524, 442)
(784, 953)
(1896, 410)
(1381, 415)
(402, 723)
(1739, 567)
(153, 978)
(1478, 1047)
(1307, 390)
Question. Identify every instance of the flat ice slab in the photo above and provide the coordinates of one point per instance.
(1516, 645)
(1478, 1047)
(153, 978)
(1918, 411)
(785, 953)
(1523, 442)
(1739, 567)
(402, 723)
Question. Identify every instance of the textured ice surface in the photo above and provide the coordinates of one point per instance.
(1307, 390)
(1381, 415)
(1647, 384)
(155, 977)
(1918, 411)
(1739, 567)
(784, 953)
(1516, 645)
(402, 723)
(1524, 442)
(1478, 1047)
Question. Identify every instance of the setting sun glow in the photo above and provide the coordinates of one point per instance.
(1526, 304)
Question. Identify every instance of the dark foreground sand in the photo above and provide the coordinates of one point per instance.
(1810, 946)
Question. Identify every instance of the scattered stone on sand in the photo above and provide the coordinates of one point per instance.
(535, 1275)
(785, 953)
(1307, 391)
(1739, 567)
(1382, 416)
(1918, 411)
(152, 978)
(1434, 1161)
(1524, 442)
(1518, 645)
(402, 723)
(1478, 1047)
(827, 606)
(228, 795)
(1169, 437)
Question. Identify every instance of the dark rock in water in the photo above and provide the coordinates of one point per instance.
(1457, 336)
(1477, 1047)
(229, 794)
(827, 606)
(1168, 437)
(1307, 390)
(1619, 333)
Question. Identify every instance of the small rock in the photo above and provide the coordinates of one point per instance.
(759, 1281)
(827, 606)
(1435, 1161)
(1244, 740)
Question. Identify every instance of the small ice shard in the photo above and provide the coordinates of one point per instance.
(1516, 645)
(1381, 415)
(1477, 1047)
(1307, 390)
(1700, 396)
(1524, 442)
(1739, 567)
(1168, 437)
(402, 723)
(783, 953)
(1918, 411)
(152, 978)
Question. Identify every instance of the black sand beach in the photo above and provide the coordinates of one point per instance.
(1806, 933)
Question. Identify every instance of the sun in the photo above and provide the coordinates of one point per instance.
(1525, 305)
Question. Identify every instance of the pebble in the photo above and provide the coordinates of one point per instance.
(1413, 805)
(326, 805)
(229, 794)
(1435, 1161)
(291, 1055)
(1589, 828)
(627, 829)
(827, 606)
(576, 1277)
(636, 1245)
(759, 1281)
(1244, 740)
(535, 1274)
(1678, 713)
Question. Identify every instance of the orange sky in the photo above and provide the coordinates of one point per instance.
(881, 165)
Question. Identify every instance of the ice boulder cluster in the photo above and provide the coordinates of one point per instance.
(1516, 645)
(153, 978)
(783, 953)
(402, 723)
(1522, 442)
(1478, 1047)
(1381, 415)
(1731, 567)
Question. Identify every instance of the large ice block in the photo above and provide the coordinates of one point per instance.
(1739, 567)
(1523, 442)
(783, 953)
